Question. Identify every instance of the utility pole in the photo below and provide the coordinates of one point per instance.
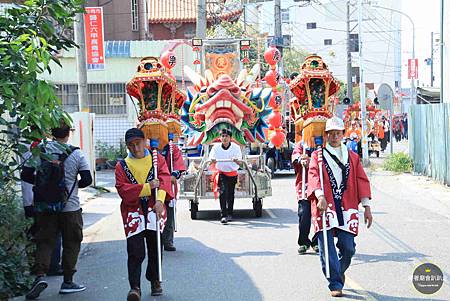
(80, 54)
(432, 58)
(362, 89)
(201, 19)
(143, 21)
(278, 33)
(349, 57)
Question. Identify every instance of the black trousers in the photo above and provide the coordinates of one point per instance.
(304, 224)
(50, 225)
(226, 190)
(136, 255)
(169, 229)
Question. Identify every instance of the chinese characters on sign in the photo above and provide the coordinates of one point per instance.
(93, 30)
(413, 66)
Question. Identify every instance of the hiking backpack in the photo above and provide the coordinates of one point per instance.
(50, 191)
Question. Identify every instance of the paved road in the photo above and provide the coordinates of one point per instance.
(256, 259)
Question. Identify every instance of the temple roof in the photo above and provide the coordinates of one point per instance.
(185, 11)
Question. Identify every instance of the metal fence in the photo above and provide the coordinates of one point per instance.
(429, 144)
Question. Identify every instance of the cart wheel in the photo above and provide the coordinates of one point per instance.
(271, 165)
(194, 209)
(257, 206)
(378, 154)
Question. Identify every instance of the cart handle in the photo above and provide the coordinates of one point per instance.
(209, 161)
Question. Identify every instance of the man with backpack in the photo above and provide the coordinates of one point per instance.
(57, 206)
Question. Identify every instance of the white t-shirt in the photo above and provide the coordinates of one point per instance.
(233, 152)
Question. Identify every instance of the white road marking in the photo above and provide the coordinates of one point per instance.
(270, 213)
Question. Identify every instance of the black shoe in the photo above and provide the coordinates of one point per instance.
(134, 294)
(224, 220)
(71, 287)
(170, 248)
(38, 286)
(302, 249)
(156, 288)
(316, 248)
(230, 218)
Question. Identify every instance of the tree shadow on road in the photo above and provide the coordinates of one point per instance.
(193, 272)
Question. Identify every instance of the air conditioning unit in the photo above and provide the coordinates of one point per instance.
(116, 101)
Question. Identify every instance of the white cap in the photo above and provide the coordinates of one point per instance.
(334, 123)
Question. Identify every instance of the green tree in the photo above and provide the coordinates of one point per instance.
(31, 34)
(293, 59)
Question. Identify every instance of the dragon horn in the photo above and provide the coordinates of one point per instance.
(253, 74)
(196, 78)
(209, 76)
(240, 80)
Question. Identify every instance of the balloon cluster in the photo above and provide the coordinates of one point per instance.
(277, 135)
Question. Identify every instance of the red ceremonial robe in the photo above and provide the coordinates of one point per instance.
(296, 155)
(131, 208)
(178, 164)
(358, 187)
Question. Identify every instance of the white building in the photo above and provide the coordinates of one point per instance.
(321, 28)
(446, 52)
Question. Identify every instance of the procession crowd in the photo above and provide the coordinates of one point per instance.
(330, 183)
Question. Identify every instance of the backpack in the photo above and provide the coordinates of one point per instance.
(50, 192)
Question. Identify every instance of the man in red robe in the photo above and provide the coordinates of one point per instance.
(140, 207)
(300, 159)
(345, 186)
(176, 170)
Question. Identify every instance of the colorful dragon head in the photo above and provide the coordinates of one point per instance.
(160, 100)
(214, 104)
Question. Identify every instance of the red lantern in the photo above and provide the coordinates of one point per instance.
(275, 100)
(275, 119)
(168, 59)
(272, 55)
(277, 138)
(271, 78)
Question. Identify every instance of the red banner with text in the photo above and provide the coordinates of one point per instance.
(93, 31)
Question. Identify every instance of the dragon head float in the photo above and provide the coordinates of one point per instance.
(313, 103)
(155, 88)
(217, 103)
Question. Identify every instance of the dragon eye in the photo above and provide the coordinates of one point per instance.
(243, 90)
(203, 89)
(148, 66)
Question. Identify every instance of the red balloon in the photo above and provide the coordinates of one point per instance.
(277, 138)
(272, 55)
(271, 78)
(275, 119)
(168, 59)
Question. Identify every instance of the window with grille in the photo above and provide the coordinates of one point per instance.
(104, 99)
(311, 25)
(328, 42)
(134, 15)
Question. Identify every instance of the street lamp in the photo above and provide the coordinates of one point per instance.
(413, 89)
